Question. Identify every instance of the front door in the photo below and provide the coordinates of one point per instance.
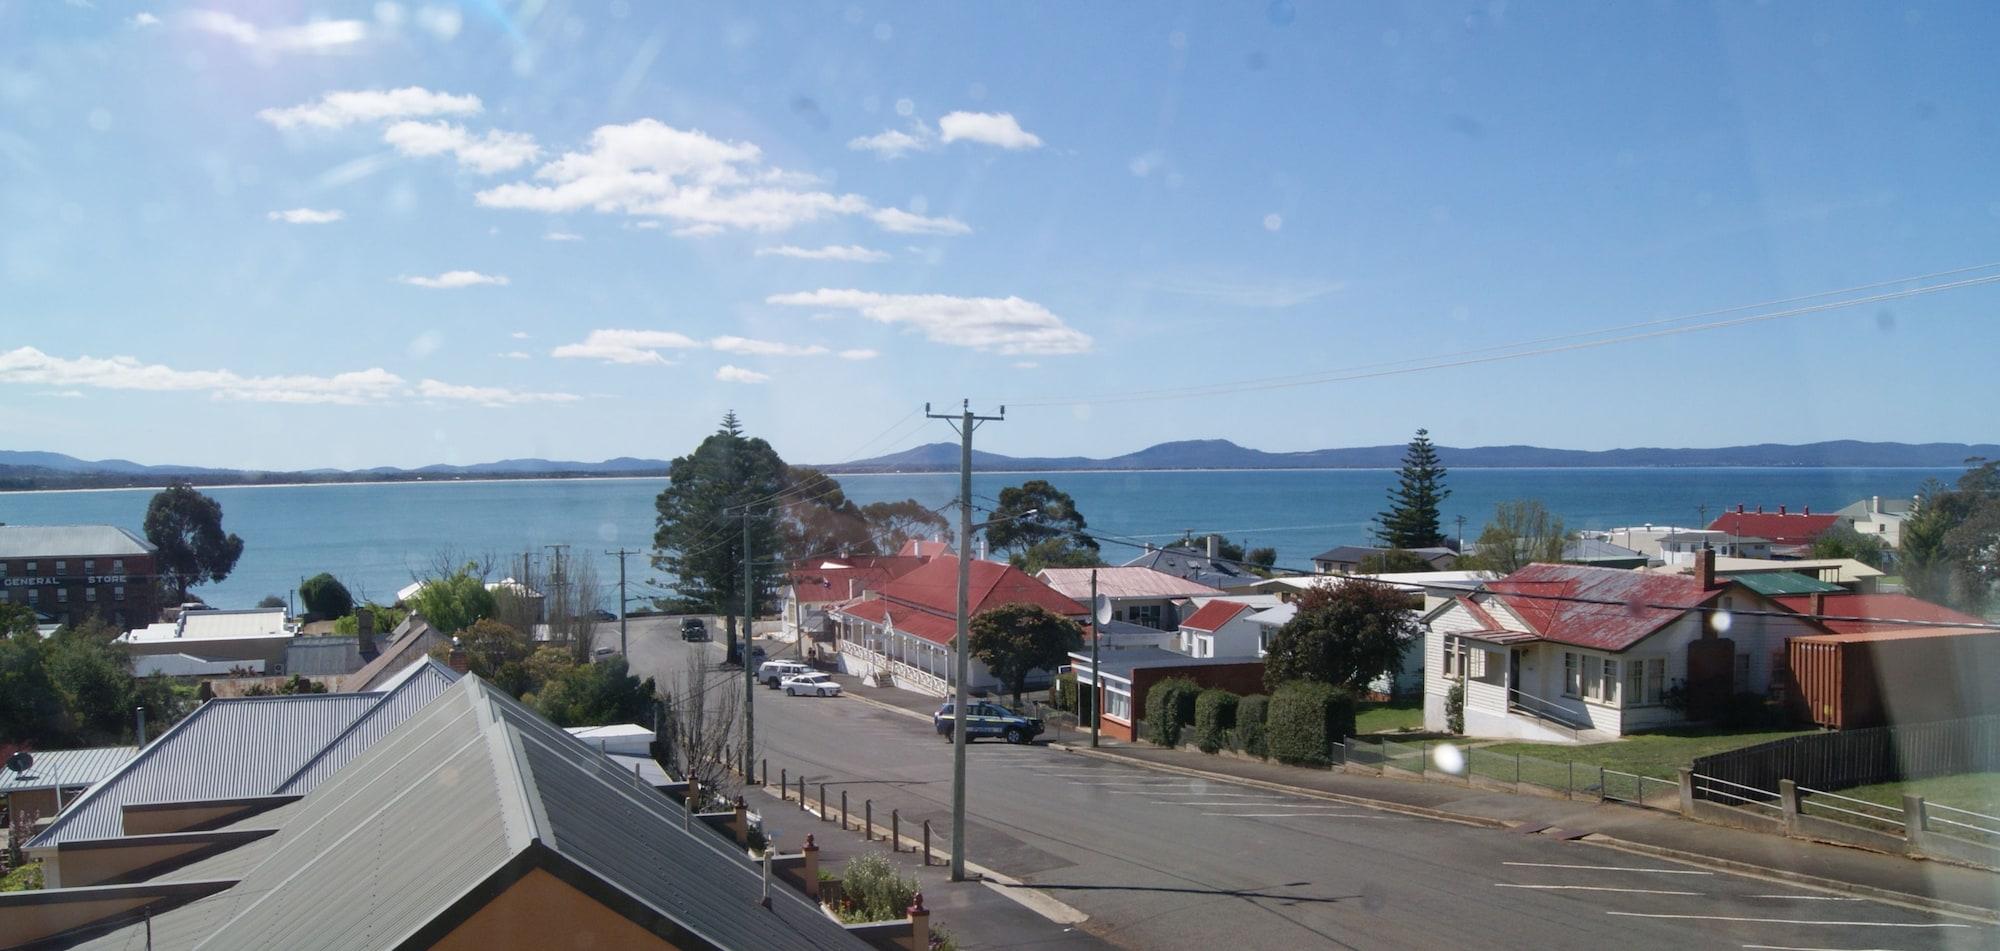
(1514, 668)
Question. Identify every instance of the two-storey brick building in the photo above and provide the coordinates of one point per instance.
(66, 573)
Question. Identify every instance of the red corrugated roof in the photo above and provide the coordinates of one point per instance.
(1627, 618)
(1898, 634)
(934, 586)
(1884, 611)
(1214, 615)
(839, 579)
(1791, 528)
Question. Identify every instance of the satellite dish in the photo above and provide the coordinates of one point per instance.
(21, 761)
(1103, 609)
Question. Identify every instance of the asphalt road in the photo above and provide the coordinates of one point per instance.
(1165, 861)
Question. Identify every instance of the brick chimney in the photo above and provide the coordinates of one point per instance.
(1704, 567)
(364, 628)
(1818, 603)
(1212, 540)
(1781, 510)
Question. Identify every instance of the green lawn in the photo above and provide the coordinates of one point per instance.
(1976, 792)
(1659, 755)
(1396, 716)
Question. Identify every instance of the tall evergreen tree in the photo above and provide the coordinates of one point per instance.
(186, 527)
(1412, 518)
(699, 533)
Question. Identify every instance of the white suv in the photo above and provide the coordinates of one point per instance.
(772, 673)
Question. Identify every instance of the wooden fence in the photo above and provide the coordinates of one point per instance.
(1831, 761)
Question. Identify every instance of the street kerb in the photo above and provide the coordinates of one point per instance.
(1015, 890)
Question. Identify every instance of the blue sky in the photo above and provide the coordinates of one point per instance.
(295, 235)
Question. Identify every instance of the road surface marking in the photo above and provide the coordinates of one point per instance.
(1808, 897)
(1613, 868)
(1796, 921)
(1299, 815)
(1153, 782)
(1233, 795)
(1787, 947)
(1238, 802)
(1596, 888)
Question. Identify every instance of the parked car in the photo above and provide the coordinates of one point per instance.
(603, 615)
(693, 630)
(812, 684)
(988, 719)
(604, 652)
(757, 654)
(773, 673)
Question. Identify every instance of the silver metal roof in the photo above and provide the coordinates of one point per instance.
(243, 746)
(69, 541)
(67, 768)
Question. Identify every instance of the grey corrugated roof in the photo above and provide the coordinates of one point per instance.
(424, 682)
(469, 784)
(407, 644)
(1194, 566)
(327, 655)
(1594, 549)
(67, 768)
(69, 541)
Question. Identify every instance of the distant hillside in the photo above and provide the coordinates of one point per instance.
(1223, 454)
(50, 470)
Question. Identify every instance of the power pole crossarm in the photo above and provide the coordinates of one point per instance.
(966, 422)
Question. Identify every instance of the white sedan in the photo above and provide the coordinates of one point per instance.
(813, 685)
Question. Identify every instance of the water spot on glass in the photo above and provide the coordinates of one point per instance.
(905, 107)
(607, 531)
(1177, 40)
(1081, 411)
(1448, 758)
(1281, 13)
(1274, 221)
(1392, 38)
(1885, 320)
(619, 9)
(524, 63)
(573, 27)
(389, 14)
(1720, 621)
(885, 32)
(99, 120)
(1255, 60)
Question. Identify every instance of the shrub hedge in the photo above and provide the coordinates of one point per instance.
(1214, 718)
(1169, 706)
(1066, 692)
(1305, 719)
(1249, 732)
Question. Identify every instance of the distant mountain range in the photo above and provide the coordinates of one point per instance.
(50, 470)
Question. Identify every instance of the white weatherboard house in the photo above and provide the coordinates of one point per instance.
(1569, 653)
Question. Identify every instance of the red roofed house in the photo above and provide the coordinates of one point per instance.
(817, 585)
(1571, 653)
(1844, 612)
(904, 628)
(1791, 534)
(1222, 628)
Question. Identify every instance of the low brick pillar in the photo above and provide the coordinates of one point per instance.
(920, 924)
(812, 868)
(741, 824)
(1788, 804)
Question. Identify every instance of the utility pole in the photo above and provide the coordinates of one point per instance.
(1461, 533)
(749, 669)
(1096, 678)
(965, 422)
(621, 553)
(560, 595)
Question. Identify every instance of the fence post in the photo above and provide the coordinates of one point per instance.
(895, 830)
(1914, 825)
(802, 793)
(1424, 760)
(812, 868)
(1687, 791)
(822, 802)
(927, 843)
(843, 810)
(1788, 804)
(784, 784)
(1569, 785)
(1600, 785)
(764, 772)
(868, 820)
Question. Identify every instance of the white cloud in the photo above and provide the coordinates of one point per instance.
(862, 353)
(626, 346)
(894, 143)
(452, 280)
(496, 151)
(443, 22)
(735, 374)
(702, 230)
(562, 236)
(765, 348)
(142, 19)
(1145, 164)
(314, 36)
(988, 128)
(29, 365)
(488, 395)
(832, 252)
(1026, 365)
(340, 109)
(1006, 325)
(519, 335)
(904, 222)
(307, 216)
(63, 394)
(514, 355)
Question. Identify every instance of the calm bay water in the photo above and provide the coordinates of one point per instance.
(377, 536)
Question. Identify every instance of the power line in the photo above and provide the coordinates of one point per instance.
(1487, 355)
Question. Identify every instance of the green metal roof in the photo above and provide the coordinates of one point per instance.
(1773, 583)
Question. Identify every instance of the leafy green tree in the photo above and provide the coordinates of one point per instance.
(1842, 541)
(489, 645)
(1521, 533)
(1345, 634)
(1014, 639)
(1412, 518)
(323, 596)
(454, 602)
(1391, 561)
(186, 527)
(1055, 553)
(891, 525)
(1056, 516)
(1950, 545)
(1262, 557)
(271, 601)
(93, 677)
(819, 519)
(292, 685)
(31, 712)
(386, 619)
(596, 694)
(698, 536)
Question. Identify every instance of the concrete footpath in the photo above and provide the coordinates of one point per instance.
(1956, 889)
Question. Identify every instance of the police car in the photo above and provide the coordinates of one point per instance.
(988, 719)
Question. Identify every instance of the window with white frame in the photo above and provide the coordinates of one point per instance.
(1593, 677)
(1645, 679)
(1117, 705)
(117, 566)
(1607, 686)
(1572, 674)
(1204, 646)
(1453, 662)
